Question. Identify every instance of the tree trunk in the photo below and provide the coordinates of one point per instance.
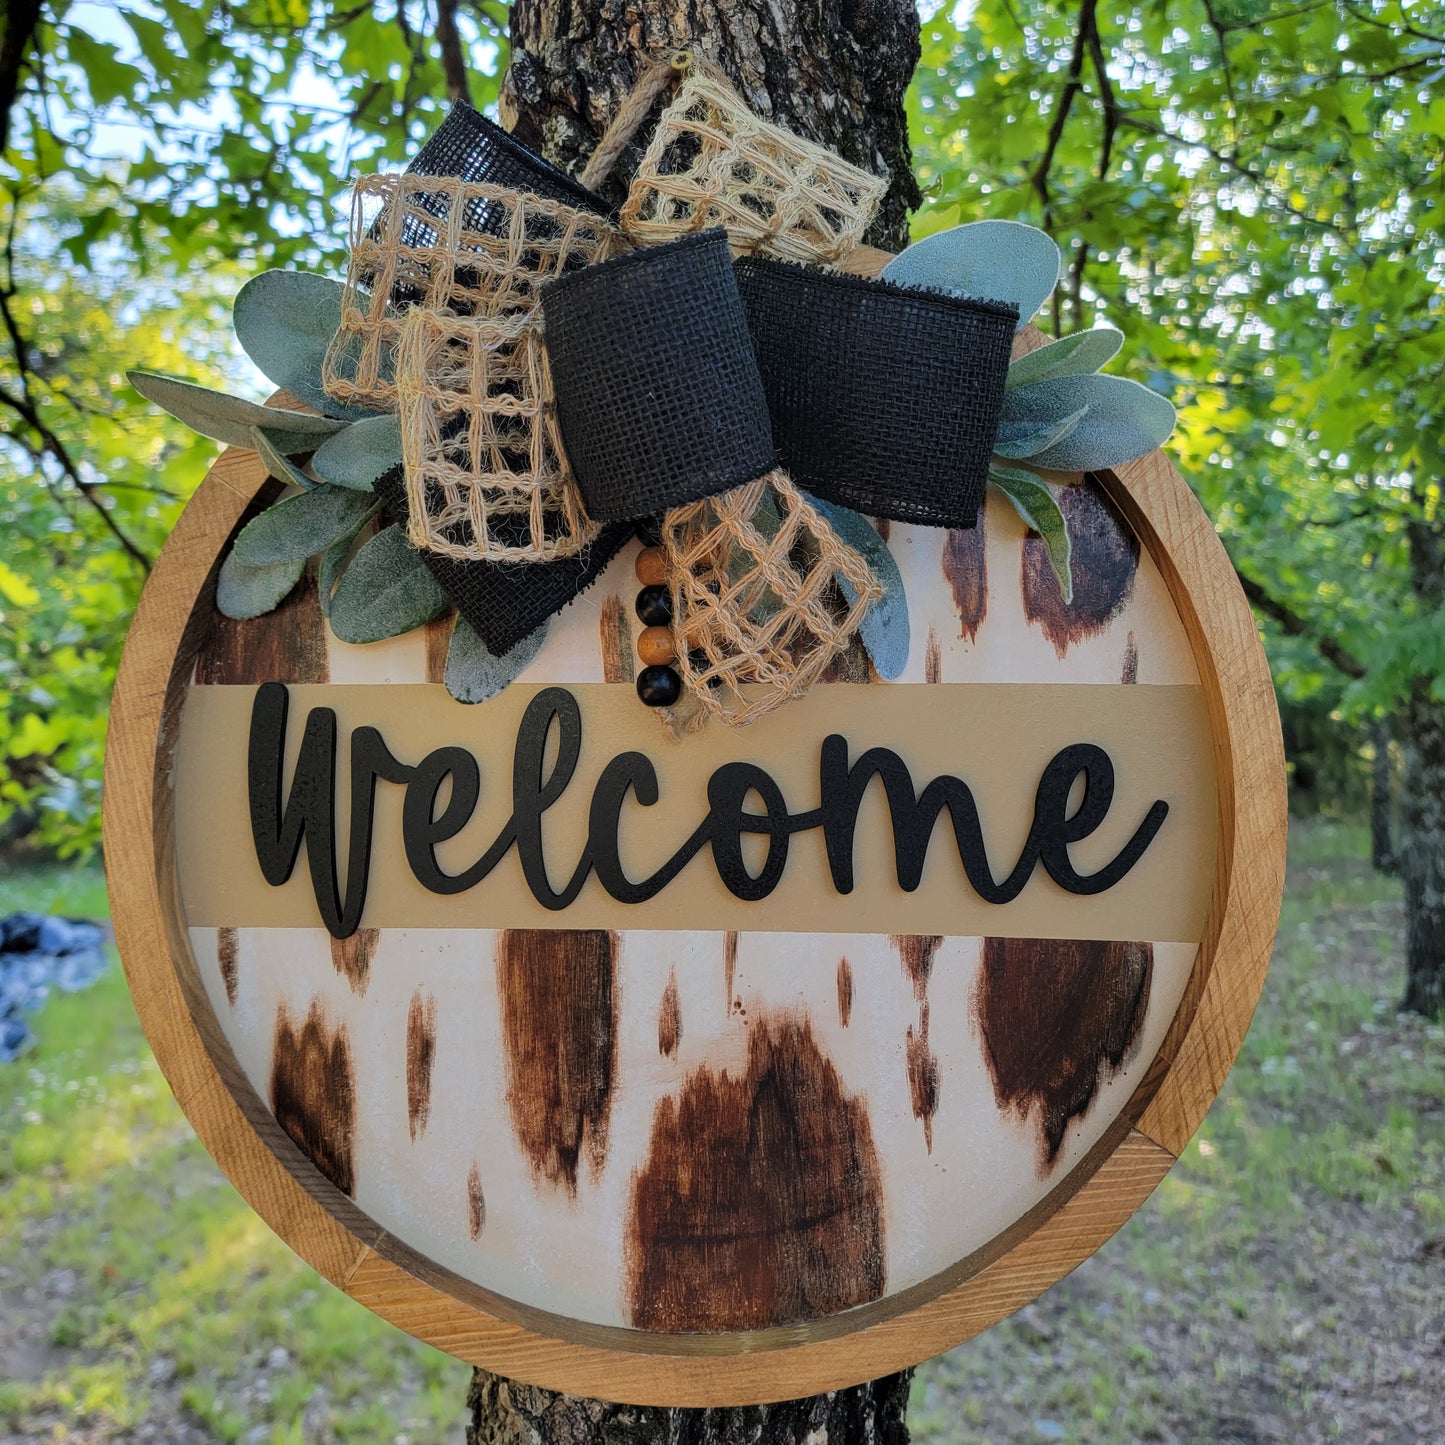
(836, 72)
(1422, 803)
(1383, 858)
(504, 1413)
(1422, 854)
(832, 70)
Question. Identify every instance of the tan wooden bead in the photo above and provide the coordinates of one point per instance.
(651, 566)
(655, 645)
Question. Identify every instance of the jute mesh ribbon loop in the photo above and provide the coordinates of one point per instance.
(486, 479)
(757, 612)
(450, 246)
(712, 162)
(505, 602)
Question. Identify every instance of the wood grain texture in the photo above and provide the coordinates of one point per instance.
(559, 1026)
(349, 1249)
(760, 1201)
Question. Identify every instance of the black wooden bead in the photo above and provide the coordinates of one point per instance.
(649, 533)
(654, 606)
(659, 686)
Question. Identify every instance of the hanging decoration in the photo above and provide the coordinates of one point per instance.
(513, 380)
(607, 1043)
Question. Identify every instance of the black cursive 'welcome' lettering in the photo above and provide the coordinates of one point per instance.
(281, 821)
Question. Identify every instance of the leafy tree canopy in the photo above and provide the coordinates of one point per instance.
(1250, 189)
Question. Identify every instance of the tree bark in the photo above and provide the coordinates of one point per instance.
(832, 70)
(1422, 810)
(836, 72)
(1421, 857)
(1383, 858)
(504, 1413)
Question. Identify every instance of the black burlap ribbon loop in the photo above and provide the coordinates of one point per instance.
(507, 601)
(883, 398)
(466, 146)
(658, 395)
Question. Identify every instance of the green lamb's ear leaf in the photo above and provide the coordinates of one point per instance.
(885, 628)
(1124, 421)
(300, 527)
(1080, 354)
(243, 591)
(285, 321)
(277, 464)
(995, 260)
(229, 419)
(357, 456)
(333, 559)
(475, 674)
(1035, 503)
(387, 590)
(1019, 439)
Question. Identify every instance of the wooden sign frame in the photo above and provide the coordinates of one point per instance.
(327, 1230)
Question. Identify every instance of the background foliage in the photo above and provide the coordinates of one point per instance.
(1250, 189)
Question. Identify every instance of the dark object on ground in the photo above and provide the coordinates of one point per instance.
(38, 953)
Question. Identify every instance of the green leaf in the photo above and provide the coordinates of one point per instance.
(285, 321)
(244, 591)
(1018, 439)
(230, 419)
(1082, 353)
(387, 590)
(1124, 421)
(994, 260)
(334, 559)
(277, 464)
(885, 626)
(1034, 502)
(476, 674)
(359, 455)
(300, 527)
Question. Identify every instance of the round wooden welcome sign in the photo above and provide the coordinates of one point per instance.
(944, 973)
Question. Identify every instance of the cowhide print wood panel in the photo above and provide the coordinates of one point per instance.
(568, 1120)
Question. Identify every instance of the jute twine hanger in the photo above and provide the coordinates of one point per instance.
(655, 77)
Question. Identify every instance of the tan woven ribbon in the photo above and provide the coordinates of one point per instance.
(464, 365)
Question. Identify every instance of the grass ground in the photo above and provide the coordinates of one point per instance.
(1286, 1282)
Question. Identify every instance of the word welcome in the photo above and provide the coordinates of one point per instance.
(280, 821)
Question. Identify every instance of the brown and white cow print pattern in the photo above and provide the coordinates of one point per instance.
(691, 1130)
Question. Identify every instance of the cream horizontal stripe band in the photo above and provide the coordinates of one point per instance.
(996, 738)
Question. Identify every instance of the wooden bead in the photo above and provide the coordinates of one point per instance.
(655, 645)
(651, 566)
(658, 686)
(654, 606)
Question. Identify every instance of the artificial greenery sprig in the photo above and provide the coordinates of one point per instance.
(1058, 413)
(369, 589)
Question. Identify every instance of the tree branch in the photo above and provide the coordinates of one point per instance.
(1072, 86)
(60, 454)
(454, 60)
(19, 20)
(1292, 624)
